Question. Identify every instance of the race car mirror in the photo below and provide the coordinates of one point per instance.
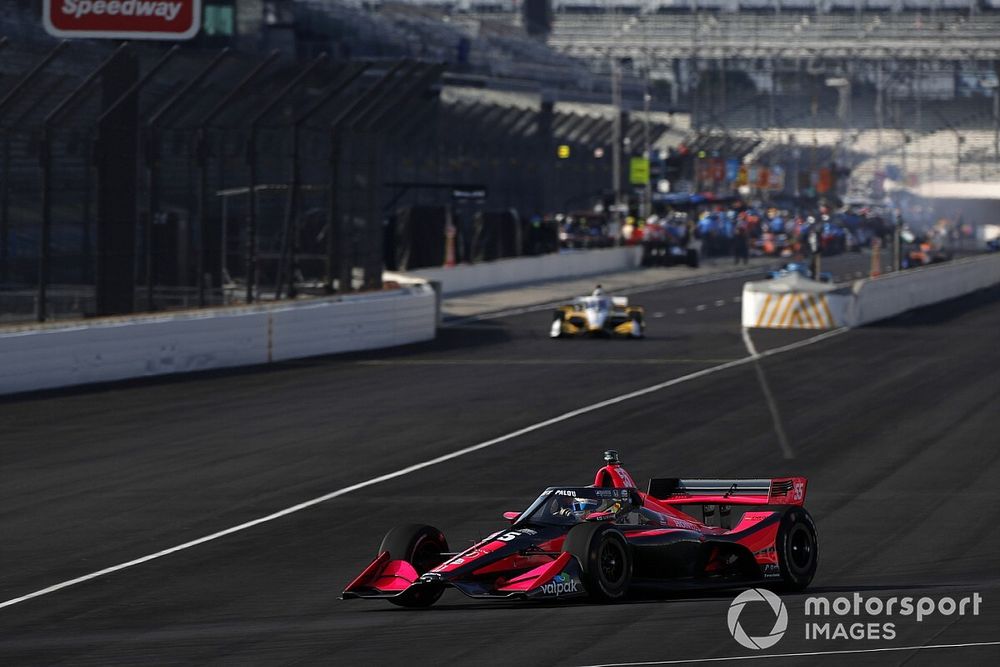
(511, 516)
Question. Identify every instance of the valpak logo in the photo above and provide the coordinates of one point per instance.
(560, 585)
(123, 19)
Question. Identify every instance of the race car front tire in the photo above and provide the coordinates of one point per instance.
(605, 560)
(556, 328)
(421, 546)
(798, 549)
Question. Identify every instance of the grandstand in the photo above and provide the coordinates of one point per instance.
(909, 84)
(812, 91)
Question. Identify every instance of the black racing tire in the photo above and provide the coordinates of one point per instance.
(636, 316)
(421, 546)
(605, 560)
(798, 549)
(557, 316)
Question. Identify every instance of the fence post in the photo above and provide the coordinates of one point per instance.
(252, 164)
(152, 162)
(342, 81)
(338, 251)
(45, 160)
(201, 155)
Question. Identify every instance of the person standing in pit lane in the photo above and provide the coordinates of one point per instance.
(741, 245)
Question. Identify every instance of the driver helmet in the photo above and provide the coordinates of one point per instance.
(578, 508)
(598, 291)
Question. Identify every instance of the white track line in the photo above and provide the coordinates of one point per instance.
(777, 656)
(418, 466)
(779, 429)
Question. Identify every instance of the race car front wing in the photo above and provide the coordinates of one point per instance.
(385, 578)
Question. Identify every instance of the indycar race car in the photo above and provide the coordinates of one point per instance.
(598, 314)
(800, 268)
(602, 541)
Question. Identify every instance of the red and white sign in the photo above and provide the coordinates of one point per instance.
(123, 19)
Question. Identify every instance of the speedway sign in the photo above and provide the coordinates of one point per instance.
(123, 19)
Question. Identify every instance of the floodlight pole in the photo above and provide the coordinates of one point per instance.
(616, 131)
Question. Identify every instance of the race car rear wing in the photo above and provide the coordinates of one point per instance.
(775, 491)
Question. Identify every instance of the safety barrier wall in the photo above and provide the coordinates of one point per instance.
(895, 293)
(522, 270)
(121, 348)
(870, 300)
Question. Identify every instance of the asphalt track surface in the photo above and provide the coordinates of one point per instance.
(895, 425)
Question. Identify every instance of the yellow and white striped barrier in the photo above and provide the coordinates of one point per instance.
(793, 303)
(795, 311)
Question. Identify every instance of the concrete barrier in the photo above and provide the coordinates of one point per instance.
(796, 304)
(61, 355)
(895, 293)
(523, 270)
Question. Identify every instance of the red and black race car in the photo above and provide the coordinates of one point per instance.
(600, 541)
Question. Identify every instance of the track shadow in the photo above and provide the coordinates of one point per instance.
(646, 597)
(479, 334)
(470, 336)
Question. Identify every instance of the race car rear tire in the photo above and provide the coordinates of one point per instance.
(605, 560)
(421, 546)
(798, 549)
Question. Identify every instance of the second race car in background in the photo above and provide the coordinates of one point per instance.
(802, 269)
(600, 315)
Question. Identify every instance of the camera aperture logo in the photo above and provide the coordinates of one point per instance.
(780, 619)
(855, 617)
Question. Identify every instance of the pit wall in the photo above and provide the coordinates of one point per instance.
(523, 270)
(62, 355)
(871, 299)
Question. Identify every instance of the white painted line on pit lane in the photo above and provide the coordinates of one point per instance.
(720, 302)
(778, 656)
(681, 311)
(737, 299)
(779, 429)
(420, 466)
(700, 307)
(657, 315)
